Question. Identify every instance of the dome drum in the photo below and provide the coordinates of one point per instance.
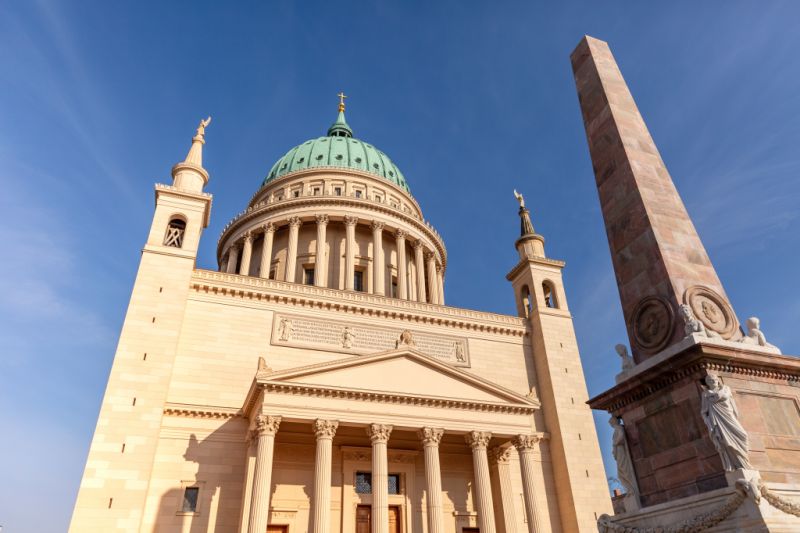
(336, 213)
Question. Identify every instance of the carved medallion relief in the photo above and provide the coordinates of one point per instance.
(652, 323)
(358, 339)
(712, 310)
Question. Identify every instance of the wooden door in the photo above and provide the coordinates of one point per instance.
(277, 529)
(364, 519)
(394, 519)
(363, 513)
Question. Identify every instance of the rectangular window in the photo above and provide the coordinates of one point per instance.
(296, 194)
(309, 276)
(363, 484)
(358, 194)
(358, 281)
(190, 499)
(394, 288)
(378, 199)
(316, 191)
(273, 273)
(337, 191)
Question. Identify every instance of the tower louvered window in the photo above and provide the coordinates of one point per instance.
(175, 232)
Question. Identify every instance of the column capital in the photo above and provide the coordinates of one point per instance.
(379, 432)
(418, 245)
(350, 220)
(400, 234)
(377, 225)
(430, 436)
(322, 220)
(526, 442)
(267, 424)
(325, 429)
(502, 454)
(269, 227)
(429, 256)
(234, 247)
(295, 221)
(478, 439)
(248, 237)
(439, 268)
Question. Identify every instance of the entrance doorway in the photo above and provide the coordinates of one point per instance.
(364, 519)
(277, 529)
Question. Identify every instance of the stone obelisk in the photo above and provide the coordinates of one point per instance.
(659, 260)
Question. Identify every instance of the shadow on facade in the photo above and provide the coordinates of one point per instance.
(220, 458)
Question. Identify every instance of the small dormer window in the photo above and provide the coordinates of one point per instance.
(296, 194)
(316, 191)
(175, 232)
(358, 194)
(337, 191)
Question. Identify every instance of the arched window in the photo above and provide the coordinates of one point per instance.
(175, 232)
(549, 295)
(527, 303)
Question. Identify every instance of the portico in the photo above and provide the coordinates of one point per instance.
(403, 404)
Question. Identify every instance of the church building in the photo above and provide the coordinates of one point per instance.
(317, 381)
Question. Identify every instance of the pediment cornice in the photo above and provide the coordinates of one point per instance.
(280, 382)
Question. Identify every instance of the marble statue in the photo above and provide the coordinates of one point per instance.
(694, 326)
(755, 335)
(722, 419)
(285, 329)
(347, 338)
(627, 360)
(622, 455)
(406, 339)
(520, 198)
(459, 353)
(201, 129)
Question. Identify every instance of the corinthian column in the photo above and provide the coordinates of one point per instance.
(378, 266)
(402, 288)
(233, 257)
(478, 440)
(350, 252)
(525, 445)
(432, 281)
(321, 502)
(440, 283)
(379, 435)
(266, 428)
(420, 264)
(321, 266)
(247, 254)
(291, 252)
(431, 437)
(501, 466)
(266, 250)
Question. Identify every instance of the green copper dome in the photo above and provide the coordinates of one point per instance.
(338, 149)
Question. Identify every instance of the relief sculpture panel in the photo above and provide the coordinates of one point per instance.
(360, 339)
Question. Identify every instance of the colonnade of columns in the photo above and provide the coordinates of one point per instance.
(428, 283)
(379, 434)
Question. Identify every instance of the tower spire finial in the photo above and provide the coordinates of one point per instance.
(526, 226)
(195, 155)
(341, 96)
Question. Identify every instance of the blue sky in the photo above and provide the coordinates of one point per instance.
(470, 99)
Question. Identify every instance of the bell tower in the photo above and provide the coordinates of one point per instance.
(115, 481)
(575, 453)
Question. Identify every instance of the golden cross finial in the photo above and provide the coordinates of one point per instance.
(341, 96)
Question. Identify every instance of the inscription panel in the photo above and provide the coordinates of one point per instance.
(360, 339)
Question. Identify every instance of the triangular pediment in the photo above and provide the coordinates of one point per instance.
(404, 372)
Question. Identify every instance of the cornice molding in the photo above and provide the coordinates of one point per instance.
(201, 411)
(262, 289)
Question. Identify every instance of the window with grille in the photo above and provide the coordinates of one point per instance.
(190, 499)
(175, 232)
(363, 483)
